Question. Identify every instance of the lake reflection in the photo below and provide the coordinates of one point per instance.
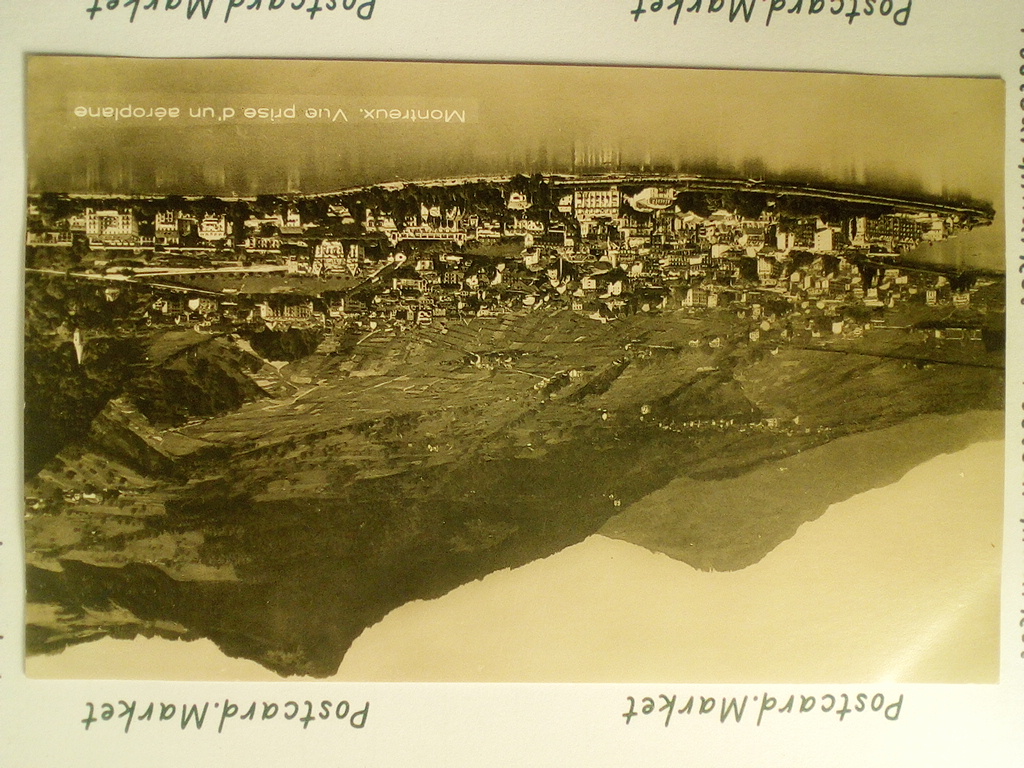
(939, 136)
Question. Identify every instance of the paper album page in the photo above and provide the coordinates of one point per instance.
(393, 382)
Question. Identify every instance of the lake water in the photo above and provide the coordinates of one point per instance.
(892, 132)
(890, 585)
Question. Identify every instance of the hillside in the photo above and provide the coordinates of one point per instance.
(281, 507)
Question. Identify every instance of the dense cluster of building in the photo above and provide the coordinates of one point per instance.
(603, 250)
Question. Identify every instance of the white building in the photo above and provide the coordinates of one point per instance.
(589, 205)
(213, 228)
(329, 256)
(110, 226)
(165, 228)
(824, 237)
(652, 199)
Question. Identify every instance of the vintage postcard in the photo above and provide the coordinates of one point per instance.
(463, 372)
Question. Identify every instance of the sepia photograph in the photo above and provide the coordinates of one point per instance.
(410, 371)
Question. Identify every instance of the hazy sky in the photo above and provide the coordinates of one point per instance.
(937, 135)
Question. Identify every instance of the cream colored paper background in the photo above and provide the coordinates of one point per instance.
(512, 724)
